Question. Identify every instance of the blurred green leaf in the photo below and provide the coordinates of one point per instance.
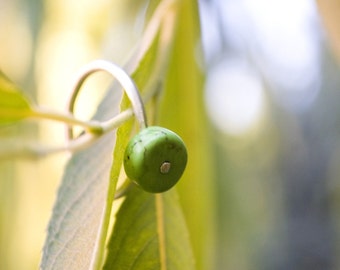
(13, 105)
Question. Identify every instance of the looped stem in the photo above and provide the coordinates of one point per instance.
(122, 77)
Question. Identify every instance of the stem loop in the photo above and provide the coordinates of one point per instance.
(122, 77)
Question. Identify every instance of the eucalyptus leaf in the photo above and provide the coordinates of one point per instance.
(13, 104)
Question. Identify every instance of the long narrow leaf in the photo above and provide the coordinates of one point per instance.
(150, 233)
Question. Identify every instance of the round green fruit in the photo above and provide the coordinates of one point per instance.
(155, 159)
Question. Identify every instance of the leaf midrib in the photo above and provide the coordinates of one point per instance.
(161, 230)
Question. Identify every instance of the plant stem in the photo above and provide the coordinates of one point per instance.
(68, 119)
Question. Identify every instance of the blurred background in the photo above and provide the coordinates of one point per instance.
(271, 93)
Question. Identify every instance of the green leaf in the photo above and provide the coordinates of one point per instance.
(162, 212)
(184, 92)
(77, 213)
(150, 233)
(13, 105)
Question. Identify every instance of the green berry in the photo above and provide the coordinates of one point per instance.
(155, 159)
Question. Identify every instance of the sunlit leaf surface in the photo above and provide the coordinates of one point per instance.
(77, 213)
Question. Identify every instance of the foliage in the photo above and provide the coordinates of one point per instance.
(149, 230)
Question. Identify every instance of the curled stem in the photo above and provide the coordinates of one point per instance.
(121, 76)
